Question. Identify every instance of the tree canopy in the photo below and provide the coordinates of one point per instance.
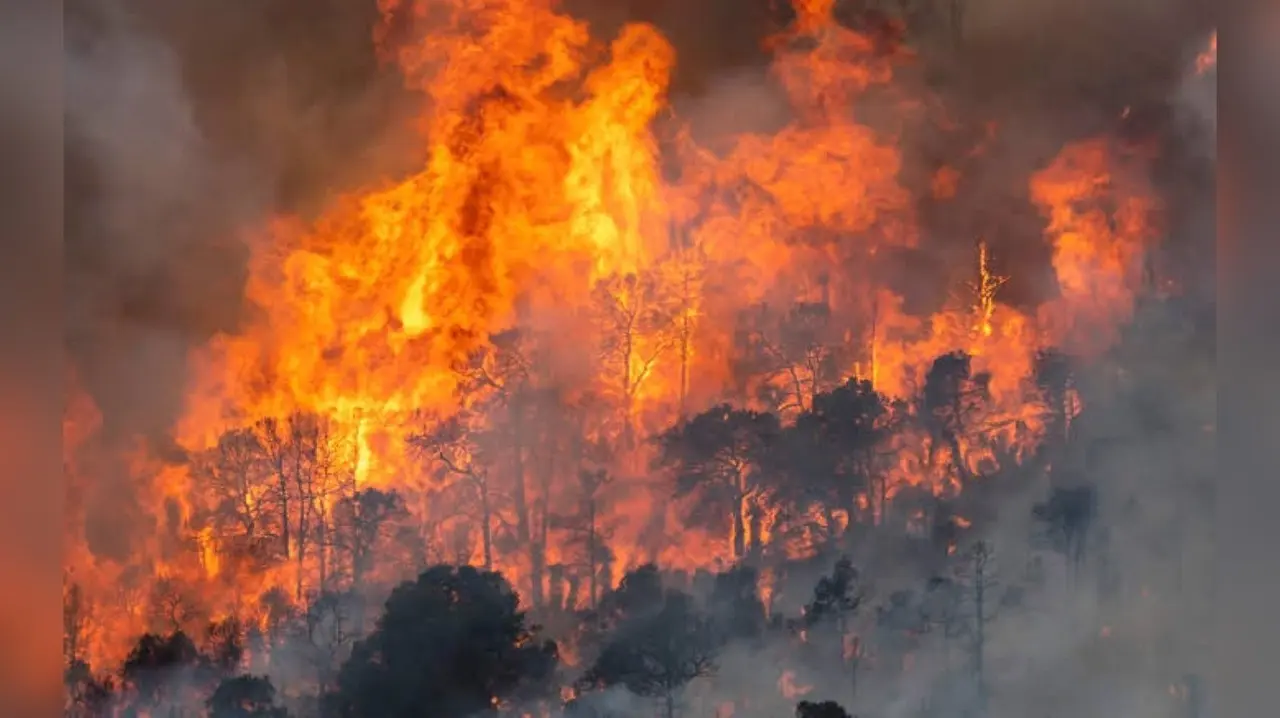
(451, 644)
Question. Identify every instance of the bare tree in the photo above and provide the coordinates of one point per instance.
(363, 521)
(301, 453)
(837, 601)
(718, 457)
(639, 323)
(796, 354)
(173, 606)
(330, 629)
(499, 381)
(75, 621)
(952, 408)
(236, 473)
(588, 527)
(685, 273)
(452, 450)
(981, 596)
(657, 653)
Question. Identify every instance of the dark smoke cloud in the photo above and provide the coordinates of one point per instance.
(186, 123)
(189, 120)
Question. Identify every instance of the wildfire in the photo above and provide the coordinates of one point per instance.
(544, 251)
(1100, 222)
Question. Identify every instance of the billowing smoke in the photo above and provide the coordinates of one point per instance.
(191, 124)
(186, 128)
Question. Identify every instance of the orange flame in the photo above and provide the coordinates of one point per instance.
(544, 248)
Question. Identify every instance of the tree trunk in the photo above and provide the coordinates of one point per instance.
(980, 636)
(685, 335)
(543, 526)
(628, 431)
(322, 547)
(304, 520)
(521, 500)
(555, 588)
(739, 527)
(592, 553)
(486, 525)
(282, 492)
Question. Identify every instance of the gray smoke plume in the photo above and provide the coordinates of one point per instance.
(186, 126)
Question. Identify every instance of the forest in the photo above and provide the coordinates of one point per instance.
(845, 592)
(816, 365)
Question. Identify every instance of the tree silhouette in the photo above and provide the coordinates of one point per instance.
(736, 609)
(1066, 518)
(639, 592)
(457, 457)
(830, 454)
(1054, 374)
(309, 461)
(951, 406)
(164, 670)
(153, 655)
(795, 354)
(330, 624)
(238, 475)
(449, 644)
(75, 621)
(836, 601)
(823, 709)
(717, 457)
(87, 696)
(656, 653)
(639, 324)
(518, 419)
(981, 599)
(589, 527)
(224, 643)
(363, 521)
(245, 697)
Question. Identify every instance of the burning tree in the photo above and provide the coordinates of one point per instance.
(245, 697)
(837, 600)
(362, 524)
(717, 458)
(952, 407)
(640, 322)
(794, 355)
(591, 527)
(456, 457)
(564, 248)
(656, 653)
(831, 457)
(450, 643)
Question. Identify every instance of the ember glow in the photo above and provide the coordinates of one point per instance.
(497, 336)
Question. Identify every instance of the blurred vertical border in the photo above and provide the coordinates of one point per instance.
(30, 356)
(1247, 588)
